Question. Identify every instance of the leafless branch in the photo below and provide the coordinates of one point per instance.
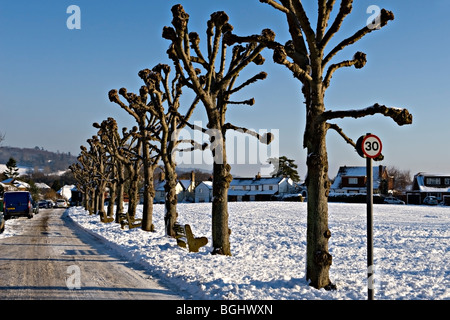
(384, 17)
(400, 116)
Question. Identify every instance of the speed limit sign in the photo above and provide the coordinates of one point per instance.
(371, 146)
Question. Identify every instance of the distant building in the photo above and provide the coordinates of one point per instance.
(259, 188)
(13, 184)
(185, 189)
(429, 184)
(353, 180)
(203, 192)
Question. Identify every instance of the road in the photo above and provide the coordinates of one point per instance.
(55, 259)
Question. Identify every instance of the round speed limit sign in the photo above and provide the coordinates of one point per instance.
(371, 146)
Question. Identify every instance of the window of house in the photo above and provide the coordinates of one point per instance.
(447, 181)
(352, 180)
(270, 187)
(433, 181)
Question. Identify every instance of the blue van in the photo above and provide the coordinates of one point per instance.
(17, 203)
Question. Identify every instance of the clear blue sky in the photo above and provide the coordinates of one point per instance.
(54, 82)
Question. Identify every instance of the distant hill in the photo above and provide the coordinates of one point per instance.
(44, 160)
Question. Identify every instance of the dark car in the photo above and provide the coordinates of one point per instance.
(17, 203)
(43, 204)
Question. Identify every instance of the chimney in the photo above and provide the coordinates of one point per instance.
(258, 176)
(380, 171)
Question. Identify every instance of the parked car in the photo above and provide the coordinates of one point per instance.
(2, 222)
(431, 200)
(392, 200)
(61, 203)
(17, 203)
(50, 204)
(43, 204)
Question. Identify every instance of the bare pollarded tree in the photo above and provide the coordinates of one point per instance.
(214, 83)
(164, 102)
(306, 55)
(96, 164)
(147, 133)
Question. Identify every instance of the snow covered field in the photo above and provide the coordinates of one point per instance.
(268, 243)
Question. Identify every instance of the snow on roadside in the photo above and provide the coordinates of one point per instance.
(268, 243)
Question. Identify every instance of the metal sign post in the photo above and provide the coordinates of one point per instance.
(369, 229)
(369, 147)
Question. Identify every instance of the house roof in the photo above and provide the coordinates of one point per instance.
(185, 183)
(356, 172)
(420, 180)
(16, 183)
(208, 184)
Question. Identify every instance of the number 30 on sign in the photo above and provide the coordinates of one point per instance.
(369, 146)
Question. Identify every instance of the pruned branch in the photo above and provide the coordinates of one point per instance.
(359, 61)
(384, 17)
(266, 138)
(400, 116)
(344, 10)
(339, 130)
(276, 5)
(259, 76)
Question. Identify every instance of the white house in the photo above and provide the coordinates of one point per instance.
(203, 192)
(353, 180)
(185, 189)
(429, 184)
(259, 188)
(160, 192)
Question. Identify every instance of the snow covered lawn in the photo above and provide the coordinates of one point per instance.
(268, 243)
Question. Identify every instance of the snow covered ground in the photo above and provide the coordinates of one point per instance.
(268, 243)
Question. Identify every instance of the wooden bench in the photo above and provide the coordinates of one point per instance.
(185, 238)
(125, 220)
(104, 218)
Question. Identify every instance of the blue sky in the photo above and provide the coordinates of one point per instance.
(54, 82)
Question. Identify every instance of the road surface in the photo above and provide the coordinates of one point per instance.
(55, 259)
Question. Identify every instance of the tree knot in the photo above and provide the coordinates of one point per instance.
(323, 258)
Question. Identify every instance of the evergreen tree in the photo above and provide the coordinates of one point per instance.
(11, 169)
(284, 167)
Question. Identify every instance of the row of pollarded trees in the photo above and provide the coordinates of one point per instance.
(308, 57)
(159, 116)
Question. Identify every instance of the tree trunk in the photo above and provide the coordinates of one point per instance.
(318, 259)
(149, 195)
(120, 191)
(112, 197)
(221, 183)
(171, 201)
(147, 210)
(133, 195)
